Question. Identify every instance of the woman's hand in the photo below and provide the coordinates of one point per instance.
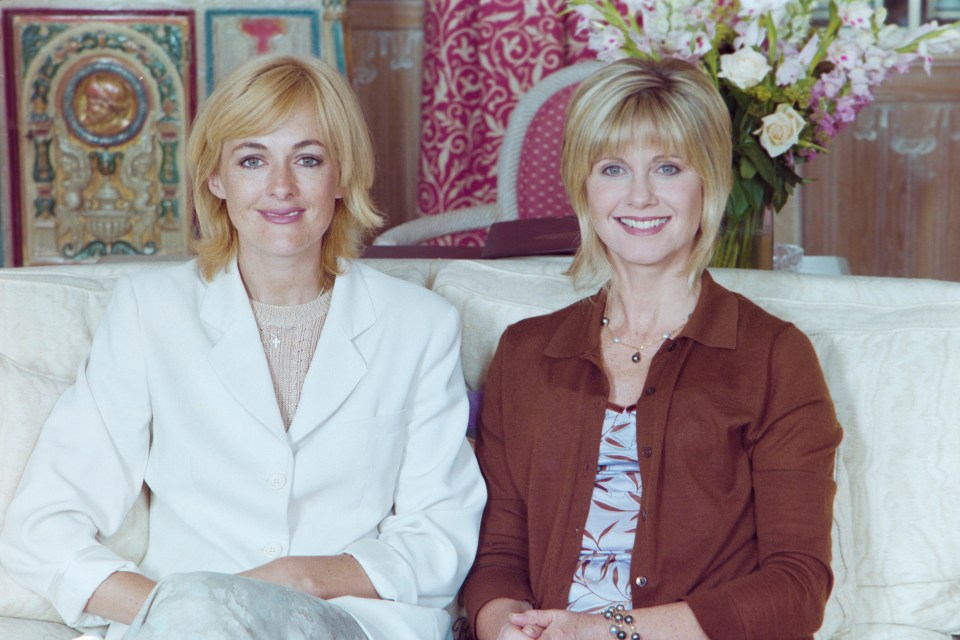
(512, 632)
(558, 624)
(673, 621)
(120, 596)
(321, 576)
(493, 621)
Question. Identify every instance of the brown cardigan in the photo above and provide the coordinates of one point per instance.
(736, 441)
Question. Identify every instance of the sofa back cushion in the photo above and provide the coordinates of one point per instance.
(47, 318)
(890, 350)
(26, 398)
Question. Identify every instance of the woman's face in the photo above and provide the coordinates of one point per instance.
(280, 189)
(645, 206)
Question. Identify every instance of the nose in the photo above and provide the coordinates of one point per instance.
(641, 191)
(283, 183)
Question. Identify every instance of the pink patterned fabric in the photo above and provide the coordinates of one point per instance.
(542, 193)
(479, 57)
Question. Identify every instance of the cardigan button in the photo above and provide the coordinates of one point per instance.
(641, 581)
(646, 452)
(651, 390)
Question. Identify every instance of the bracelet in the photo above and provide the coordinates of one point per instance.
(617, 618)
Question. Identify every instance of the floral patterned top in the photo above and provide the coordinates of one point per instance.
(602, 576)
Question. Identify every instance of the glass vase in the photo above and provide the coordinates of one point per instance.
(746, 243)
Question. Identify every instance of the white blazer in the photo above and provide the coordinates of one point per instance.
(177, 393)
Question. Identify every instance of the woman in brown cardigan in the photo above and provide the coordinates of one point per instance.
(659, 456)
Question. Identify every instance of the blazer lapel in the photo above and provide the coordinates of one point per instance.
(338, 365)
(237, 355)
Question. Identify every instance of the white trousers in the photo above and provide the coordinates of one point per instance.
(218, 606)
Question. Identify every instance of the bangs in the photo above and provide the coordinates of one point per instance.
(290, 92)
(646, 121)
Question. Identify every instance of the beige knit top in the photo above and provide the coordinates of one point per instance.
(290, 335)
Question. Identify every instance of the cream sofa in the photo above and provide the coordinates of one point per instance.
(890, 349)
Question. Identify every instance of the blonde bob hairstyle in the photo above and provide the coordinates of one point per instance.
(259, 94)
(668, 104)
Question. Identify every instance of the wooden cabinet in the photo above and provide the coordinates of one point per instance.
(386, 55)
(887, 196)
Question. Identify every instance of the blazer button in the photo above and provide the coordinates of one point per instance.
(641, 581)
(647, 452)
(651, 390)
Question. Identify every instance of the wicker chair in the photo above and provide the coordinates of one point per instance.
(528, 169)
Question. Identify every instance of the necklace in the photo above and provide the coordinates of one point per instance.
(637, 350)
(272, 337)
(274, 321)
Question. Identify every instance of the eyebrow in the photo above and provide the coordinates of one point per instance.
(262, 147)
(620, 158)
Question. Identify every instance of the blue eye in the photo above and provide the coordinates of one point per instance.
(612, 170)
(310, 161)
(669, 169)
(251, 162)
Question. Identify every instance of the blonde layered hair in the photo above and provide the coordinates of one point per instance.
(250, 102)
(669, 104)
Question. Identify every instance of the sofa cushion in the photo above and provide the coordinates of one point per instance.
(20, 629)
(888, 348)
(47, 318)
(49, 313)
(894, 632)
(493, 294)
(26, 399)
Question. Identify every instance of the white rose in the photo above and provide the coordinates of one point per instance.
(780, 130)
(746, 68)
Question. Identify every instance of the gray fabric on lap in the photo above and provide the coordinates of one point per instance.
(217, 606)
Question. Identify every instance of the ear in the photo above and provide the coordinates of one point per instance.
(215, 186)
(340, 193)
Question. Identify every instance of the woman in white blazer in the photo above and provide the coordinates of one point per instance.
(298, 418)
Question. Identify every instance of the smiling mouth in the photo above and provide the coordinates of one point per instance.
(643, 225)
(281, 215)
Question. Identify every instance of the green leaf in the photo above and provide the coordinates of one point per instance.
(763, 162)
(755, 194)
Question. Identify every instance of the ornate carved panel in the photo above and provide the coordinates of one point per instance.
(234, 35)
(98, 103)
(101, 103)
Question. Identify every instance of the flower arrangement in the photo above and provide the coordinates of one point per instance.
(791, 84)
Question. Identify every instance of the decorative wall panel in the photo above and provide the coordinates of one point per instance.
(236, 35)
(101, 104)
(98, 104)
